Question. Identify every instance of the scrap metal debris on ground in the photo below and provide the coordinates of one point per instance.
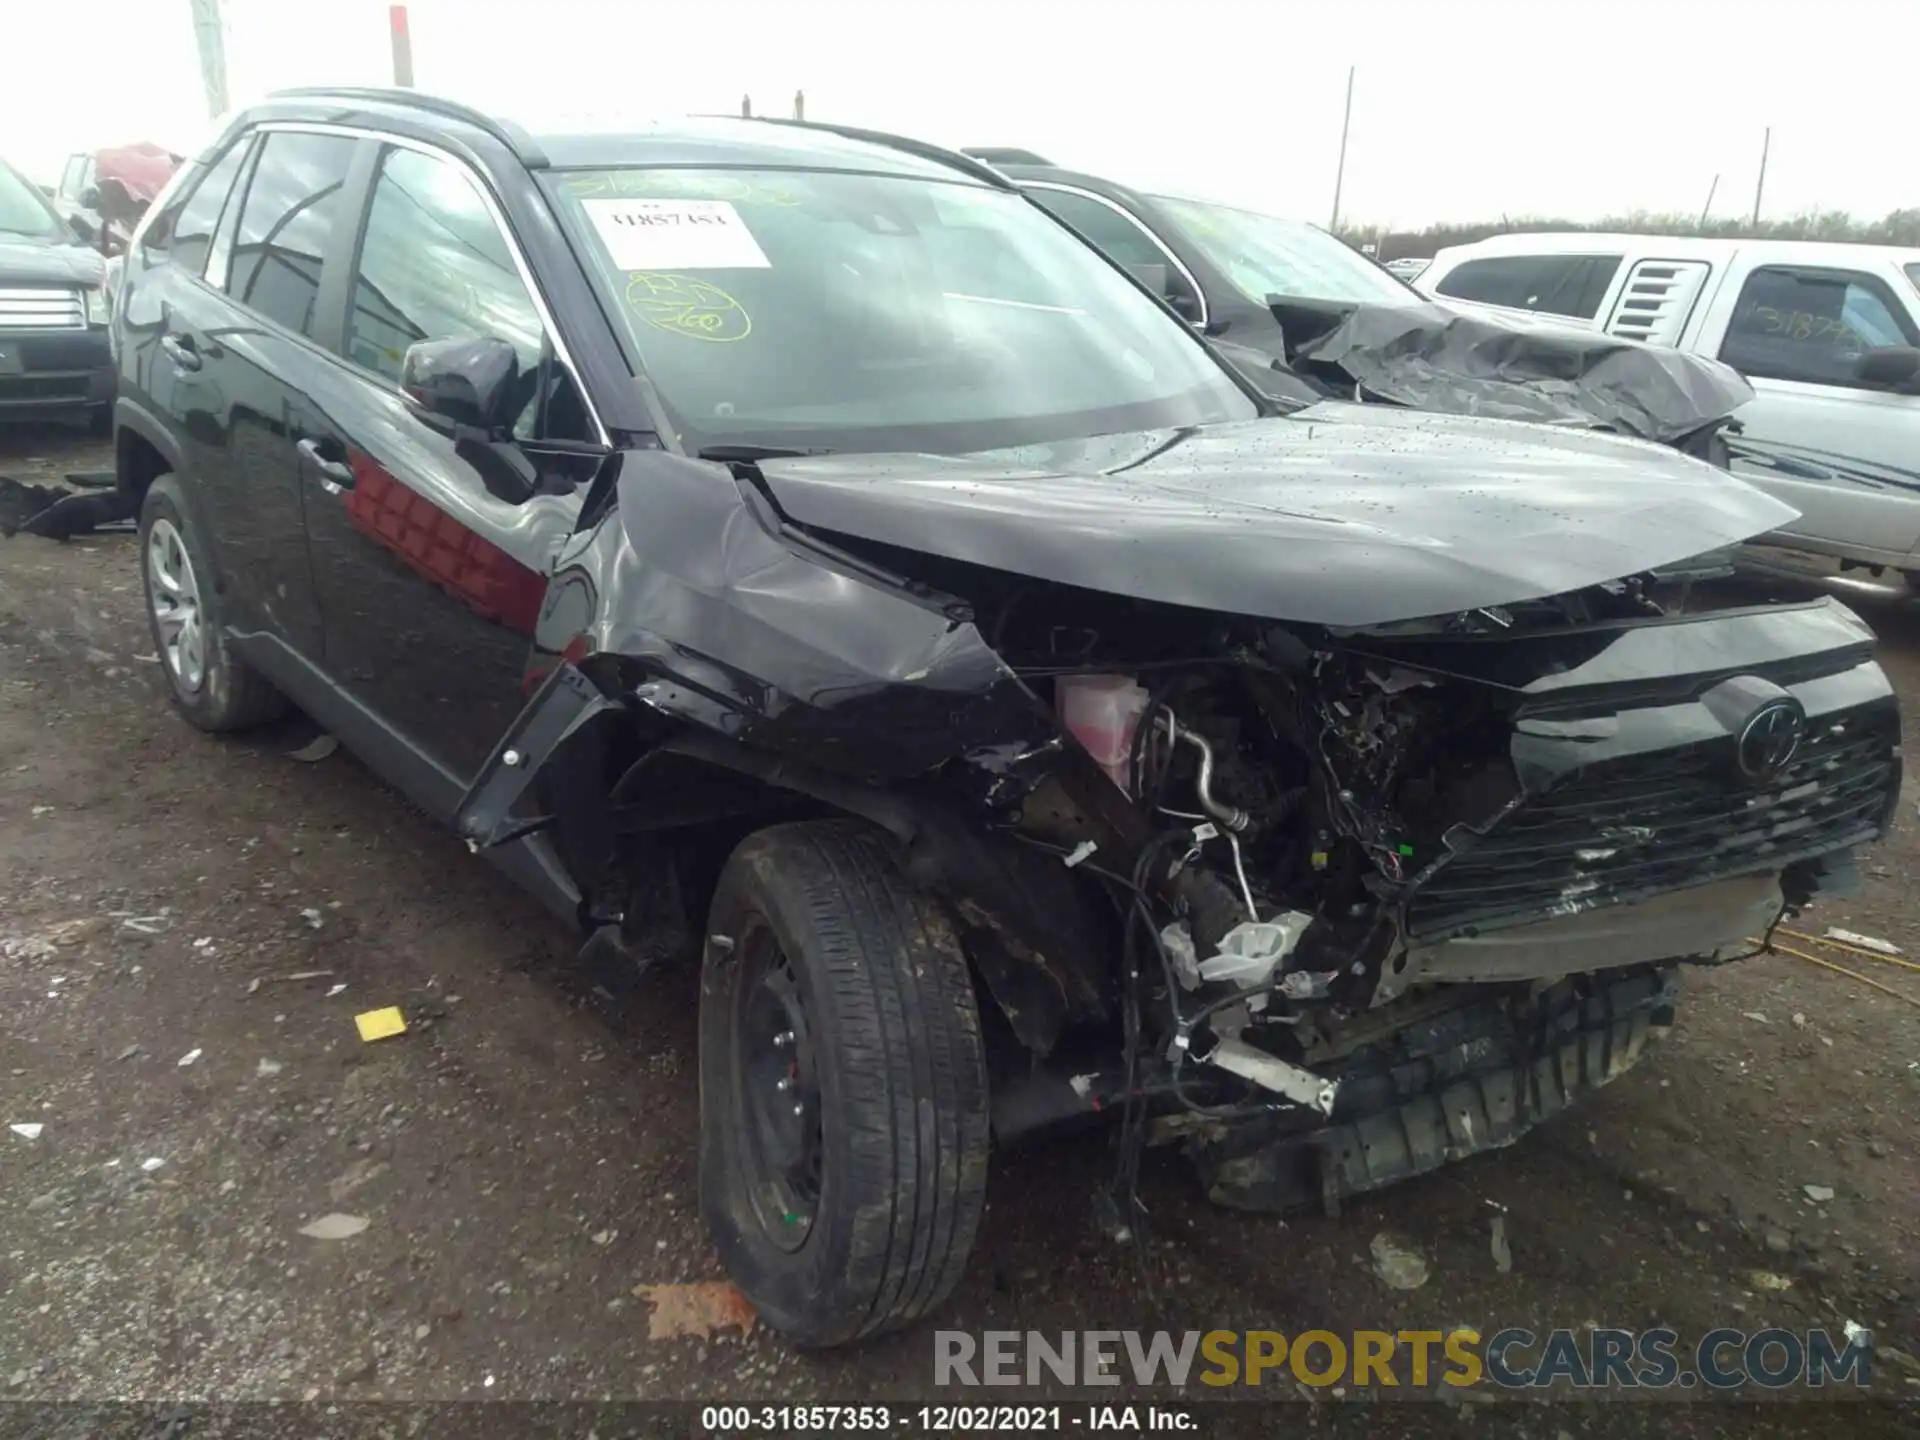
(57, 513)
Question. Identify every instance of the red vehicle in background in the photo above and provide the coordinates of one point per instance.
(103, 193)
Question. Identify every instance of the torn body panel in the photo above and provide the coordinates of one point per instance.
(1511, 367)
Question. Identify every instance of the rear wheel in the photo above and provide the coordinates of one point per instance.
(843, 1091)
(210, 685)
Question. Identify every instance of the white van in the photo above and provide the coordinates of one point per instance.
(1828, 334)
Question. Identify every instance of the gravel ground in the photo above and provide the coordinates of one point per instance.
(524, 1156)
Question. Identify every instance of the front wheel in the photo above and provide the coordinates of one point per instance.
(843, 1090)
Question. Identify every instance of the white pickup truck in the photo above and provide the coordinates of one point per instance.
(1828, 334)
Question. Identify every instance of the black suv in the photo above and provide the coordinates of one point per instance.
(790, 550)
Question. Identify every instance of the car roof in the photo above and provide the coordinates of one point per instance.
(1675, 247)
(599, 143)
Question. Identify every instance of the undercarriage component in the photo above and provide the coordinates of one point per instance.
(1470, 1080)
(1270, 1072)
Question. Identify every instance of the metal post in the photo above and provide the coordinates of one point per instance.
(799, 104)
(1760, 185)
(746, 107)
(213, 54)
(1340, 174)
(1709, 205)
(402, 46)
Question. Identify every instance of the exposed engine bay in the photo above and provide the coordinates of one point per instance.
(1328, 901)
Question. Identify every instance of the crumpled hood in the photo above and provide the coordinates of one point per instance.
(1340, 514)
(1512, 366)
(26, 260)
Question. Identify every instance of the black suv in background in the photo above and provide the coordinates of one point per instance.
(789, 550)
(53, 313)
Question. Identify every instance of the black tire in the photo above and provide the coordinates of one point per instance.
(229, 695)
(893, 1080)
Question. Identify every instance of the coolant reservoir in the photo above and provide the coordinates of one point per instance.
(1102, 712)
(1250, 952)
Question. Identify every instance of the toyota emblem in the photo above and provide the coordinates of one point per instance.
(1770, 739)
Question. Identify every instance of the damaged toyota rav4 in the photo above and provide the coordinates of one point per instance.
(789, 551)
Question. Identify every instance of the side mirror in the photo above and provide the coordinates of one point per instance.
(462, 387)
(1889, 367)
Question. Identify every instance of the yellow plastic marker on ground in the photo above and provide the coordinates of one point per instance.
(379, 1024)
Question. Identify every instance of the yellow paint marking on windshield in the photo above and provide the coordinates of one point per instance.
(680, 185)
(684, 305)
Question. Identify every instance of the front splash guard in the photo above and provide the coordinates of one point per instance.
(1444, 1091)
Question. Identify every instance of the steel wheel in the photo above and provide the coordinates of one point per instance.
(780, 1090)
(173, 592)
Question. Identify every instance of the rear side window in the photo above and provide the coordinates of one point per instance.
(1570, 285)
(1811, 325)
(291, 214)
(184, 232)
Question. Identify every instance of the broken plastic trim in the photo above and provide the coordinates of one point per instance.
(566, 702)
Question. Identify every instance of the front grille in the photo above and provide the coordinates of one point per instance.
(1627, 828)
(42, 308)
(38, 389)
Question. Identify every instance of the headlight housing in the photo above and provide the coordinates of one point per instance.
(99, 307)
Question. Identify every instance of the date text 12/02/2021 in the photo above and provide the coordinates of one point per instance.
(943, 1419)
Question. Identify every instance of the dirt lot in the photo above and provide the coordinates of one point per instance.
(524, 1156)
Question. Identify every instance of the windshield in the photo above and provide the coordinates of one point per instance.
(23, 210)
(1263, 255)
(826, 310)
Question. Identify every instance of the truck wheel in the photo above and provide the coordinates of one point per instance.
(210, 685)
(843, 1089)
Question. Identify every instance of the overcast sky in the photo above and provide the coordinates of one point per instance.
(1462, 110)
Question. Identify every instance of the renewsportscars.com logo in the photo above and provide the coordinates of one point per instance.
(1512, 1358)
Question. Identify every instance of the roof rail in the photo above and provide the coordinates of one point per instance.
(506, 132)
(1006, 155)
(955, 159)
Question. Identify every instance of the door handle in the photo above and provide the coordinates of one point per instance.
(181, 350)
(335, 475)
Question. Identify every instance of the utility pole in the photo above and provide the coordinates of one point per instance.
(746, 107)
(1760, 185)
(1709, 205)
(402, 46)
(799, 104)
(1340, 173)
(213, 54)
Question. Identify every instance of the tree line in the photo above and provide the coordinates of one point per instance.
(1901, 227)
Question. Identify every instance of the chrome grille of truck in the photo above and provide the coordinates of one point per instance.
(42, 307)
(1625, 829)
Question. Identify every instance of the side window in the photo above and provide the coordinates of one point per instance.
(1811, 325)
(1122, 240)
(434, 265)
(1571, 285)
(291, 214)
(185, 229)
(71, 183)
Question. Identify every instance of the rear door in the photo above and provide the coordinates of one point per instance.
(1847, 457)
(431, 569)
(240, 348)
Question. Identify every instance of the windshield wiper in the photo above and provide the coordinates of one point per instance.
(725, 453)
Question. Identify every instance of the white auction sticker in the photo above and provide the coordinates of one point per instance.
(675, 235)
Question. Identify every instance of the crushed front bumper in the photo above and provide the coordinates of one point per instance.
(1468, 1080)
